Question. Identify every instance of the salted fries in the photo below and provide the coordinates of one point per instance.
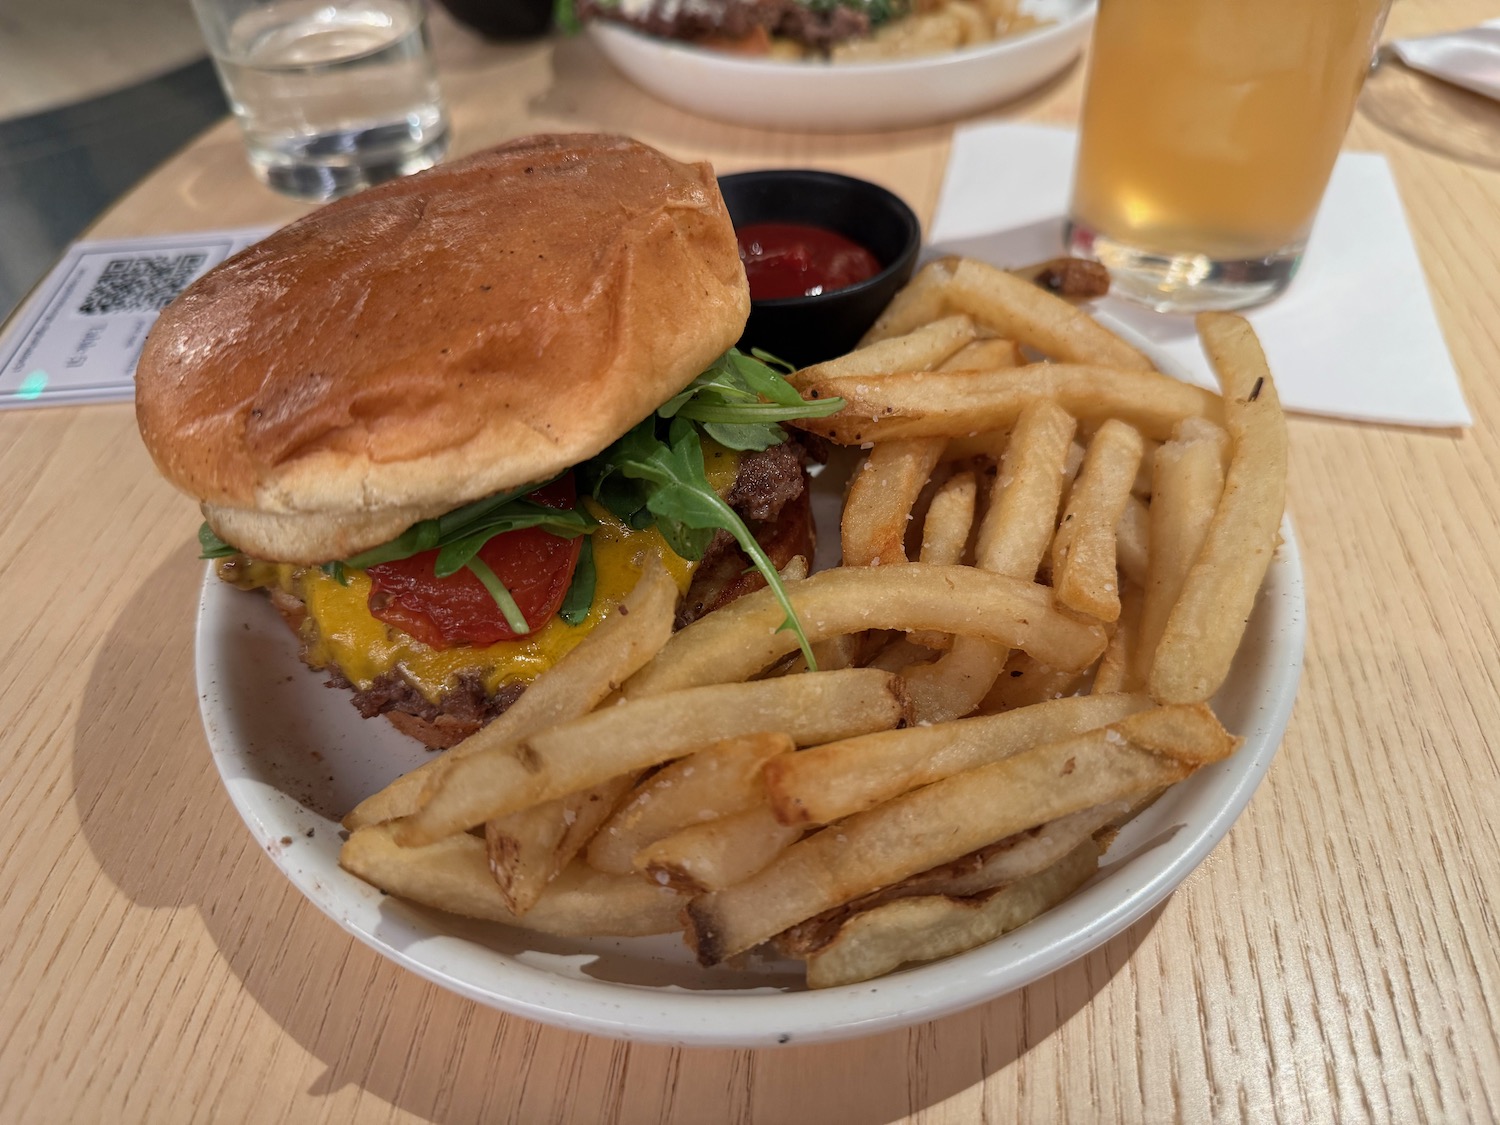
(1050, 553)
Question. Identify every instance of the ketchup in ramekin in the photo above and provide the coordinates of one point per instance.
(798, 260)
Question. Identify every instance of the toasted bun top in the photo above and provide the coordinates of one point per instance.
(438, 338)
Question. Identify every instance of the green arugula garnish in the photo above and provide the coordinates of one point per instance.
(653, 476)
(729, 401)
(579, 599)
(210, 546)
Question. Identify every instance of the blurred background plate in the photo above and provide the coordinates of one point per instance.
(819, 97)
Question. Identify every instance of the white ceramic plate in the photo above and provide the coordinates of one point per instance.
(819, 97)
(295, 755)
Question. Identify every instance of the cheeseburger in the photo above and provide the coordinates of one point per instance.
(446, 422)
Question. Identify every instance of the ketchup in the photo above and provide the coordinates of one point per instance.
(796, 260)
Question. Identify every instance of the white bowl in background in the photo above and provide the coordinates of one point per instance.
(822, 97)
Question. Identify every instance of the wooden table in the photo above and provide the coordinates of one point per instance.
(1335, 958)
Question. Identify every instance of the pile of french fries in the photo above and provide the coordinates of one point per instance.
(1051, 551)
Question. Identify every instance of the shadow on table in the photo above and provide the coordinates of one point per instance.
(140, 762)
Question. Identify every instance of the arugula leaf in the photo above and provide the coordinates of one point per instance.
(508, 608)
(210, 546)
(776, 363)
(730, 398)
(687, 506)
(579, 599)
(465, 542)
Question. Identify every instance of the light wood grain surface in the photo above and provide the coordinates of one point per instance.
(1335, 959)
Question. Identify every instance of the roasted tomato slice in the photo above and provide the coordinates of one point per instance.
(535, 565)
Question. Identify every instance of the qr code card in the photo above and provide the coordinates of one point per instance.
(78, 337)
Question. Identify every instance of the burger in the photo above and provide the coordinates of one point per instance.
(446, 422)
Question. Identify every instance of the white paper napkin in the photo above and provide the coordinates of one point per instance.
(1469, 58)
(1355, 336)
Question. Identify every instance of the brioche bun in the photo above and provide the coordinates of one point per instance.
(470, 329)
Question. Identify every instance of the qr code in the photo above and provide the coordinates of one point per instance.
(140, 284)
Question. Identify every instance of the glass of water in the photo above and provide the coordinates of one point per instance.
(333, 95)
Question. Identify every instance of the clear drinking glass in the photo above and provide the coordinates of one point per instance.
(1208, 134)
(333, 95)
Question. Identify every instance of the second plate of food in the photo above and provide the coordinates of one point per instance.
(820, 96)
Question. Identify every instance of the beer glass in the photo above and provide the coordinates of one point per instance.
(1209, 131)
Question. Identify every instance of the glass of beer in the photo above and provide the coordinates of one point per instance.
(1209, 131)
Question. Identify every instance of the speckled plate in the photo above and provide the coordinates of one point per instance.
(295, 755)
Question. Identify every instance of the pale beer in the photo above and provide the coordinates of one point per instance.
(1209, 131)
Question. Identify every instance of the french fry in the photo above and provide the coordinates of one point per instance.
(1002, 12)
(1133, 539)
(811, 708)
(924, 929)
(881, 495)
(619, 646)
(1024, 682)
(957, 682)
(1186, 487)
(950, 518)
(745, 637)
(1020, 311)
(1005, 861)
(1204, 628)
(838, 652)
(1141, 488)
(827, 783)
(917, 350)
(1114, 672)
(918, 303)
(1018, 528)
(900, 654)
(912, 404)
(945, 536)
(714, 782)
(1084, 574)
(981, 445)
(718, 854)
(950, 818)
(453, 875)
(977, 27)
(984, 355)
(530, 848)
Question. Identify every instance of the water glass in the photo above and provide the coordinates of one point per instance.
(332, 95)
(1208, 135)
